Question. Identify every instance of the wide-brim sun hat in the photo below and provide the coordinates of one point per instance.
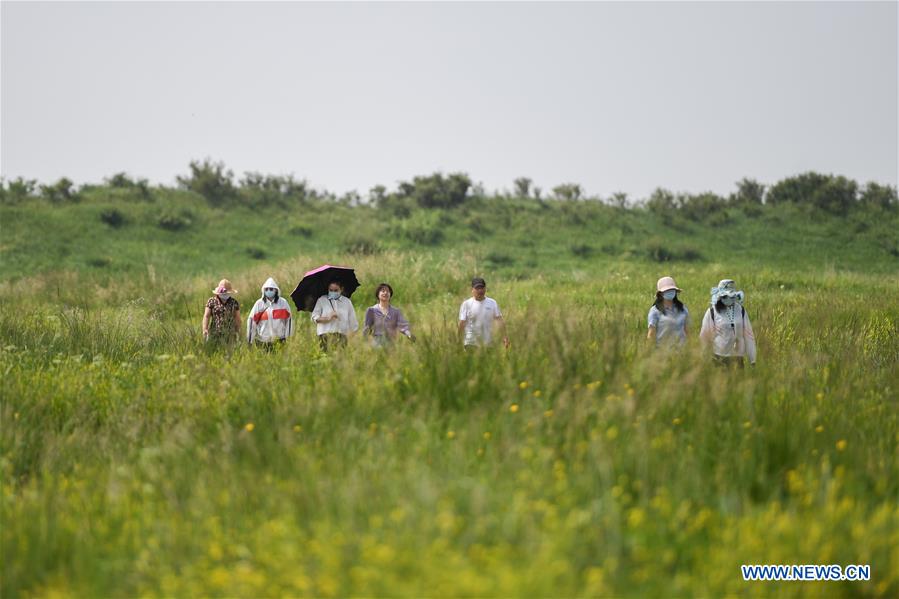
(666, 284)
(224, 286)
(726, 288)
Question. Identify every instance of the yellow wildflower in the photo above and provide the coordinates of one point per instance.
(841, 444)
(487, 435)
(249, 427)
(819, 429)
(450, 435)
(513, 408)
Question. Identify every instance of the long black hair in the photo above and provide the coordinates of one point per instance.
(660, 306)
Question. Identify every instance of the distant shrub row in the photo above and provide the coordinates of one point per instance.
(217, 185)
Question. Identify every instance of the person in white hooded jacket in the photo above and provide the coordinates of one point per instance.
(726, 327)
(270, 319)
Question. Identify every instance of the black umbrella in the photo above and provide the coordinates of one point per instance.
(315, 284)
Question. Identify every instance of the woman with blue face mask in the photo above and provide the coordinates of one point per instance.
(726, 329)
(334, 317)
(270, 319)
(668, 317)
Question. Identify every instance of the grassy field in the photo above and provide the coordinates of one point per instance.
(577, 463)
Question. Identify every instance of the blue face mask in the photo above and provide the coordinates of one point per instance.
(670, 294)
(333, 295)
(270, 293)
(728, 301)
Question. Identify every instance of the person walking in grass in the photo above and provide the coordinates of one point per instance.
(478, 316)
(221, 319)
(270, 320)
(668, 317)
(334, 317)
(726, 329)
(383, 322)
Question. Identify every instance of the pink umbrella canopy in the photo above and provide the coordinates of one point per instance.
(315, 284)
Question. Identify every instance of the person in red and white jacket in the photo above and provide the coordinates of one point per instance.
(270, 319)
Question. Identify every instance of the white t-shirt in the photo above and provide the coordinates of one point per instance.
(479, 317)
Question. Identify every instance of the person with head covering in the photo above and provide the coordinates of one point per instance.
(477, 317)
(726, 329)
(221, 320)
(334, 317)
(270, 319)
(668, 317)
(382, 321)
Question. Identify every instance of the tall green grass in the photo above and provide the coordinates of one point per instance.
(580, 462)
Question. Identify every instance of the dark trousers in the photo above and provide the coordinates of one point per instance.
(269, 346)
(331, 340)
(735, 362)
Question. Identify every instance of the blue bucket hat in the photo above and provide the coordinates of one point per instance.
(726, 288)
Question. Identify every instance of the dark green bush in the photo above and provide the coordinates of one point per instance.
(658, 250)
(61, 191)
(13, 192)
(176, 219)
(826, 192)
(140, 188)
(301, 231)
(424, 228)
(361, 244)
(212, 181)
(496, 258)
(99, 262)
(256, 252)
(582, 250)
(437, 191)
(113, 217)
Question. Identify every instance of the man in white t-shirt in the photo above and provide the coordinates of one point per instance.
(477, 316)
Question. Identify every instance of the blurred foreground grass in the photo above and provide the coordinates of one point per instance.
(578, 463)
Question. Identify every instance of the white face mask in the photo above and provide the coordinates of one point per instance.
(224, 296)
(728, 301)
(269, 293)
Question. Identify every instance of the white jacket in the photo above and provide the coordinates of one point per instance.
(729, 332)
(269, 320)
(346, 322)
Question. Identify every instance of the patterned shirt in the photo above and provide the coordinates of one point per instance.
(222, 316)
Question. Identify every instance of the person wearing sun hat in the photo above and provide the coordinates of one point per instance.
(726, 328)
(221, 320)
(668, 317)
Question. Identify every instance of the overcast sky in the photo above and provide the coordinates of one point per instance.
(614, 96)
